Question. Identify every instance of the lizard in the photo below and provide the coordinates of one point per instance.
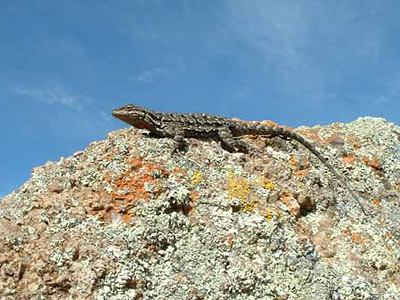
(179, 126)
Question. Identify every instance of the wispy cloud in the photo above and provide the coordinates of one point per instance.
(84, 110)
(55, 94)
(308, 44)
(152, 75)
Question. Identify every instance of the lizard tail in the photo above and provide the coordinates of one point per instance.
(288, 134)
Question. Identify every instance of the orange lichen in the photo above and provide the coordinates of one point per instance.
(194, 195)
(301, 173)
(310, 135)
(192, 199)
(389, 235)
(230, 240)
(349, 159)
(330, 139)
(299, 169)
(373, 163)
(376, 202)
(357, 238)
(293, 161)
(354, 141)
(131, 186)
(291, 203)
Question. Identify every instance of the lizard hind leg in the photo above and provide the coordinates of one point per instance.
(229, 143)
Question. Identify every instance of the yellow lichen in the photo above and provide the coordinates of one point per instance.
(270, 213)
(196, 178)
(268, 184)
(249, 206)
(240, 188)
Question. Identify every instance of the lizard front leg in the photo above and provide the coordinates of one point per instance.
(229, 143)
(178, 137)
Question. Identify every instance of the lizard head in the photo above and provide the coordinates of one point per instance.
(136, 116)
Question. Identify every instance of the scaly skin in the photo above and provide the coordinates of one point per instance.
(179, 126)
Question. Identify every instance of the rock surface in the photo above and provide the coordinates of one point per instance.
(125, 219)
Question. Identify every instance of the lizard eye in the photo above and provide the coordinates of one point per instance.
(127, 106)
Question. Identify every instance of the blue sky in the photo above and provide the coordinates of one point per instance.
(64, 65)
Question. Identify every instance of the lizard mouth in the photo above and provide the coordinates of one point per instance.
(126, 119)
(119, 114)
(132, 120)
(122, 116)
